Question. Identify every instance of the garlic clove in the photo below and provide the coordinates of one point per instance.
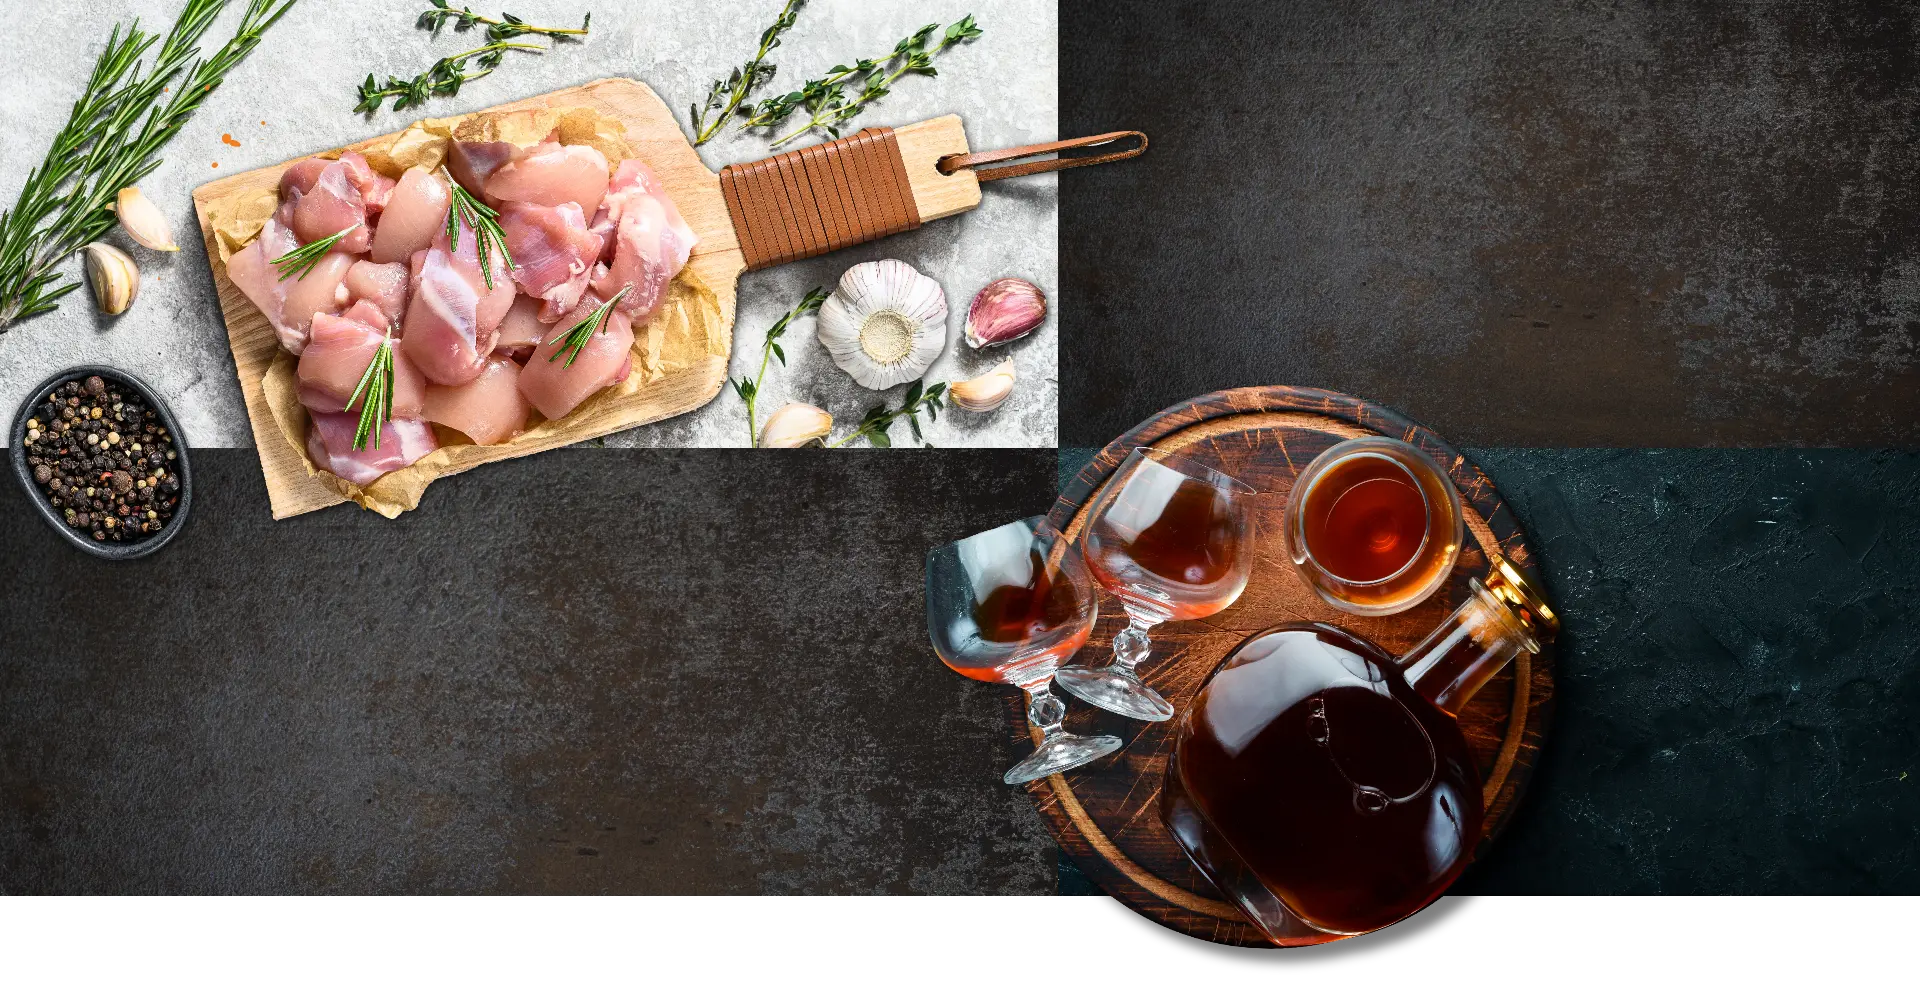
(884, 324)
(1004, 311)
(795, 425)
(985, 392)
(143, 221)
(115, 278)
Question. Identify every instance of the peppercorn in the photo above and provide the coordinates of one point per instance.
(82, 453)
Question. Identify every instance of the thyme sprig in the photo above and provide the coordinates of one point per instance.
(503, 28)
(583, 330)
(748, 388)
(879, 419)
(377, 385)
(485, 222)
(297, 264)
(725, 97)
(112, 139)
(445, 77)
(826, 100)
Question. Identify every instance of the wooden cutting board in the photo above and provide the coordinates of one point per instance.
(657, 139)
(1106, 815)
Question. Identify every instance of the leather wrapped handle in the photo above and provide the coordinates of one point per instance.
(820, 198)
(974, 160)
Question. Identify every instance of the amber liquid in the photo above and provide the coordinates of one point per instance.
(1189, 540)
(1366, 522)
(1308, 775)
(1011, 617)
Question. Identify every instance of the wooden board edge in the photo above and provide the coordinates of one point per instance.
(935, 194)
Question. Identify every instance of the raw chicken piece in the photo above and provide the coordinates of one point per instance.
(384, 286)
(651, 241)
(441, 333)
(557, 388)
(552, 174)
(322, 291)
(495, 300)
(552, 252)
(251, 269)
(333, 204)
(473, 163)
(374, 188)
(489, 408)
(337, 357)
(415, 213)
(403, 442)
(522, 326)
(300, 177)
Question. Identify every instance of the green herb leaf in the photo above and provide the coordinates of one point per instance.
(377, 387)
(825, 99)
(728, 97)
(137, 98)
(300, 262)
(576, 337)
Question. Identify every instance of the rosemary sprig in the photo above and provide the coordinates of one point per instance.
(504, 28)
(300, 262)
(879, 419)
(726, 96)
(111, 140)
(484, 221)
(377, 385)
(748, 388)
(826, 100)
(577, 336)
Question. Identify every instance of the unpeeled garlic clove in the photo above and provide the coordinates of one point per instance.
(115, 278)
(143, 221)
(985, 392)
(1004, 311)
(795, 425)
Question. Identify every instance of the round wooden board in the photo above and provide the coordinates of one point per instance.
(1106, 815)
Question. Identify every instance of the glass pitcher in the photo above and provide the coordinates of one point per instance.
(1324, 786)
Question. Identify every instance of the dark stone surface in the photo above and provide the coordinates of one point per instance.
(1737, 700)
(607, 670)
(1738, 692)
(1523, 223)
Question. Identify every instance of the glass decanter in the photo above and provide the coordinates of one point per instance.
(1325, 787)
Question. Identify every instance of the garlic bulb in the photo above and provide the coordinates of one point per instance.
(115, 279)
(795, 425)
(1004, 311)
(143, 221)
(884, 324)
(985, 392)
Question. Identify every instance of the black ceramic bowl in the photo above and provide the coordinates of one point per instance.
(110, 551)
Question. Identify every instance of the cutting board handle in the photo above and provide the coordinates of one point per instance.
(876, 183)
(948, 165)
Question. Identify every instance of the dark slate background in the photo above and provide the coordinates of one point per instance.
(1521, 222)
(592, 670)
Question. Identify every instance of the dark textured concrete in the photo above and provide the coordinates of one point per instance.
(1521, 222)
(586, 671)
(1737, 699)
(1738, 692)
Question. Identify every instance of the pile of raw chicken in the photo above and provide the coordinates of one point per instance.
(468, 355)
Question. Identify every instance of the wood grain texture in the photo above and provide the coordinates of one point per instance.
(1106, 815)
(656, 138)
(936, 194)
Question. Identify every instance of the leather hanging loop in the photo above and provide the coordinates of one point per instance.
(972, 160)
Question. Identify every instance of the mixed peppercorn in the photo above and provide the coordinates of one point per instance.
(104, 460)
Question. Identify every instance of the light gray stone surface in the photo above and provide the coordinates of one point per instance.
(301, 82)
